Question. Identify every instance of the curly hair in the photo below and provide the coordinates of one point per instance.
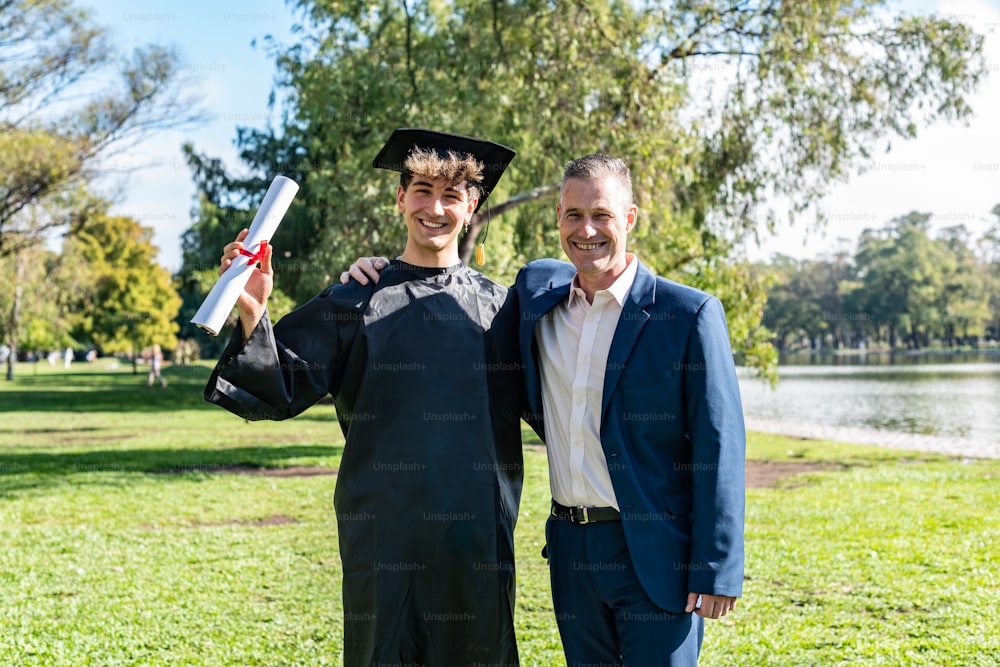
(454, 168)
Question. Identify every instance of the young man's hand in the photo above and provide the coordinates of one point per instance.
(252, 302)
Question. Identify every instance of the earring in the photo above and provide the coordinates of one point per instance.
(467, 225)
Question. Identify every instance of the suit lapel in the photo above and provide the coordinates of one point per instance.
(630, 325)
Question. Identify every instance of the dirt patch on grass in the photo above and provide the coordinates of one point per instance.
(759, 474)
(289, 471)
(263, 522)
(273, 520)
(764, 474)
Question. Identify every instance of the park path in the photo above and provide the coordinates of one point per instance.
(923, 443)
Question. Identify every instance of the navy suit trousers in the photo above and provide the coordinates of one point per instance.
(605, 617)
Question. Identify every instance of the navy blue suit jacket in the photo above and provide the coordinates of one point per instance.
(671, 428)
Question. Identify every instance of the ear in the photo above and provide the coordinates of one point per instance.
(400, 198)
(631, 218)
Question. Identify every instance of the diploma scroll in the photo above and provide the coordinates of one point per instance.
(220, 301)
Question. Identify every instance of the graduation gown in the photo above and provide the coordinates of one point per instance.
(424, 371)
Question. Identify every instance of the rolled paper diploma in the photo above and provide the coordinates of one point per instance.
(227, 289)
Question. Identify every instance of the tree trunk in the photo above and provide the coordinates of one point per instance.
(15, 313)
(467, 244)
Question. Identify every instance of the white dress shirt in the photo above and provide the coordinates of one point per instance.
(573, 344)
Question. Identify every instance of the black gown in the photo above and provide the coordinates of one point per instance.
(424, 371)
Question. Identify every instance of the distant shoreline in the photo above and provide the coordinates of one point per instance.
(863, 436)
(852, 352)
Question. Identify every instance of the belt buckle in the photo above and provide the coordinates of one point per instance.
(584, 514)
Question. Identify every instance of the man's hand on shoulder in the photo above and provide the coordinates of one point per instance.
(363, 269)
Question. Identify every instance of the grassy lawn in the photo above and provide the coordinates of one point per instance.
(134, 534)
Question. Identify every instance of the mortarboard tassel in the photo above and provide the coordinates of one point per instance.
(481, 248)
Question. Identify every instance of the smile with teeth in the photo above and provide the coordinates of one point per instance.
(588, 246)
(432, 224)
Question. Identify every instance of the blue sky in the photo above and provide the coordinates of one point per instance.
(950, 171)
(232, 78)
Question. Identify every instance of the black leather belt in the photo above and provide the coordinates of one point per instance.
(584, 515)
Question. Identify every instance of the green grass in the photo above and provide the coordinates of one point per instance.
(107, 559)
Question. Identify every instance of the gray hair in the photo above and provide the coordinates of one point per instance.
(594, 166)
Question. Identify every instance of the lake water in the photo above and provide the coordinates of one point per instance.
(952, 398)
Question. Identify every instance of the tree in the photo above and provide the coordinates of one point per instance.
(989, 249)
(786, 313)
(964, 301)
(901, 271)
(61, 112)
(132, 302)
(719, 106)
(804, 301)
(67, 102)
(35, 304)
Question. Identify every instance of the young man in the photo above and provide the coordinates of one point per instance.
(632, 386)
(423, 369)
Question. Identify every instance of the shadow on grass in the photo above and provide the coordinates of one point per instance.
(109, 391)
(21, 471)
(104, 391)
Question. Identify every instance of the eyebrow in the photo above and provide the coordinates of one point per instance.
(580, 209)
(428, 184)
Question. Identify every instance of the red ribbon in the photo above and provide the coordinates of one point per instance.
(255, 256)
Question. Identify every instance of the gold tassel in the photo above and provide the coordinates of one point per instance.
(480, 255)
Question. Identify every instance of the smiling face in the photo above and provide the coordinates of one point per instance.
(595, 218)
(435, 211)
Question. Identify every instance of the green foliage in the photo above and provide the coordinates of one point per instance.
(902, 288)
(31, 160)
(20, 275)
(132, 300)
(67, 100)
(36, 304)
(60, 111)
(717, 107)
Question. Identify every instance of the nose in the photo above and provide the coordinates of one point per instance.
(588, 229)
(437, 207)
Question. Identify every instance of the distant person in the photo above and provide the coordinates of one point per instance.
(155, 366)
(68, 357)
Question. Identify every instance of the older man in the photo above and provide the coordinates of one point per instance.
(631, 384)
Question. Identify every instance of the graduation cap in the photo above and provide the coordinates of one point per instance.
(494, 157)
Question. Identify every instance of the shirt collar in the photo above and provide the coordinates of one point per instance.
(619, 289)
